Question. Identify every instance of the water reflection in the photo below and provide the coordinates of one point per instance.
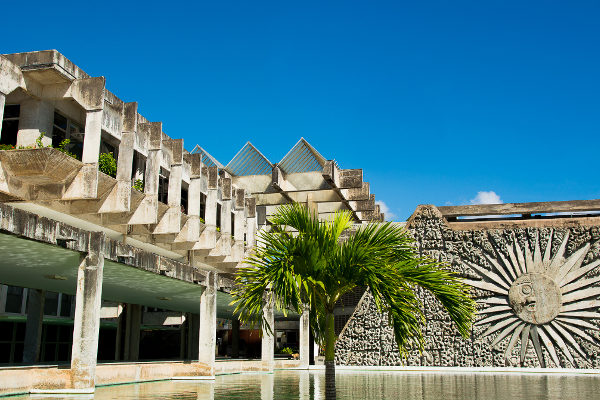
(307, 385)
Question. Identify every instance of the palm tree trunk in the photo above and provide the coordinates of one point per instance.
(330, 393)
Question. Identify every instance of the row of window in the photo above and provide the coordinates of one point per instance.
(64, 128)
(55, 304)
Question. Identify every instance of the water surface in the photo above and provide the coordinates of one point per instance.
(362, 385)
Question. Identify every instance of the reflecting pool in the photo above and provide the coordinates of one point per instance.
(362, 385)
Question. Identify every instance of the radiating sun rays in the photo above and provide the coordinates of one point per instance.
(539, 300)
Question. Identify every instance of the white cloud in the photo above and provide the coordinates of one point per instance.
(388, 215)
(486, 198)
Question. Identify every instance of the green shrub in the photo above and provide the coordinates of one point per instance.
(7, 147)
(63, 147)
(107, 164)
(139, 185)
(286, 350)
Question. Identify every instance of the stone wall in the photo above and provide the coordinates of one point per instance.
(535, 282)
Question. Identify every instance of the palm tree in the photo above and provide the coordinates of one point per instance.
(307, 263)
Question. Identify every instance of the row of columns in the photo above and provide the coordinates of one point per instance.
(87, 323)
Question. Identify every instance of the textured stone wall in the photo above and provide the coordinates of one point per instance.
(534, 285)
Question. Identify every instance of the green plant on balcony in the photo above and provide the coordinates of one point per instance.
(138, 185)
(202, 221)
(63, 147)
(107, 164)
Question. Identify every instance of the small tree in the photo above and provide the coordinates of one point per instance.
(310, 265)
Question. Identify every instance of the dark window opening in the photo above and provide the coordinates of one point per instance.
(106, 147)
(232, 224)
(139, 168)
(14, 299)
(10, 124)
(65, 305)
(50, 303)
(218, 216)
(163, 186)
(64, 128)
(184, 200)
(203, 206)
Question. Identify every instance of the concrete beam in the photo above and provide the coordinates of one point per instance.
(521, 208)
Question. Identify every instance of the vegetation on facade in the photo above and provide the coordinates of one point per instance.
(138, 185)
(107, 164)
(39, 144)
(311, 267)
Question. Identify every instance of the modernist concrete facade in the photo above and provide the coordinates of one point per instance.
(94, 262)
(165, 233)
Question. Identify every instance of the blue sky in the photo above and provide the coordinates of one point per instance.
(436, 101)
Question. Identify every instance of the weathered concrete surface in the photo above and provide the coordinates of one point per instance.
(536, 282)
(45, 230)
(23, 379)
(305, 339)
(208, 323)
(86, 324)
(268, 338)
(15, 380)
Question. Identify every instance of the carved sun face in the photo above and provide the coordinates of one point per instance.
(539, 299)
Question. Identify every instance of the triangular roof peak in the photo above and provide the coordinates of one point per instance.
(207, 159)
(302, 158)
(249, 161)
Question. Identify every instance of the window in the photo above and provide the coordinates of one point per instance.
(51, 303)
(232, 223)
(218, 216)
(10, 124)
(139, 167)
(184, 199)
(12, 336)
(65, 305)
(163, 186)
(203, 206)
(14, 299)
(64, 128)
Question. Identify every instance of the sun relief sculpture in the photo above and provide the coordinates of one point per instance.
(539, 300)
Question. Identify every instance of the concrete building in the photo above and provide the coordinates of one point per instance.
(94, 264)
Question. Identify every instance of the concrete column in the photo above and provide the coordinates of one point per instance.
(119, 334)
(268, 337)
(86, 325)
(208, 323)
(33, 326)
(210, 219)
(132, 332)
(92, 137)
(305, 338)
(250, 213)
(36, 117)
(147, 211)
(2, 104)
(235, 338)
